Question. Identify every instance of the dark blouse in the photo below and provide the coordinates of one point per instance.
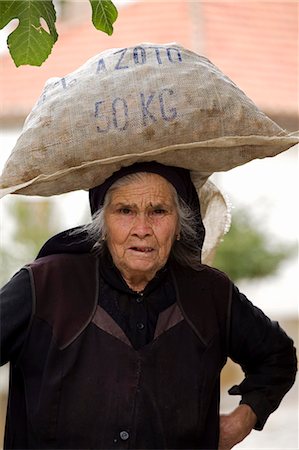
(253, 335)
(135, 312)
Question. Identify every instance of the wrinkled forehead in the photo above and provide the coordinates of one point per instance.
(141, 188)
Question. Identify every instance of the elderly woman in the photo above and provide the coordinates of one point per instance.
(117, 334)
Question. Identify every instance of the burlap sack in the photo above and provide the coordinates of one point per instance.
(149, 102)
(215, 215)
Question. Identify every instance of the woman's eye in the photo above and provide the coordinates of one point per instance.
(125, 211)
(159, 211)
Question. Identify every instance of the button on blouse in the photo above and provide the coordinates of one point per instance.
(124, 435)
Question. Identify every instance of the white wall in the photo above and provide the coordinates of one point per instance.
(268, 188)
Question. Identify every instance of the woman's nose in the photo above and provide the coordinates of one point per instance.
(142, 226)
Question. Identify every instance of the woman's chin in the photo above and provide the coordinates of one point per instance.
(145, 264)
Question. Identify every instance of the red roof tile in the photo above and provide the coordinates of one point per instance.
(255, 43)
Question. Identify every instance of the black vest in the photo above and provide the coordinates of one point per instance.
(79, 384)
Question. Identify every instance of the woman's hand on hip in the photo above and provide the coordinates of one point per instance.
(234, 427)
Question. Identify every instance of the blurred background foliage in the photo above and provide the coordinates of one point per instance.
(32, 223)
(246, 252)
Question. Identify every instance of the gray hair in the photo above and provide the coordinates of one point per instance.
(185, 251)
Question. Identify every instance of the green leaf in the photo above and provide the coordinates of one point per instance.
(104, 14)
(29, 43)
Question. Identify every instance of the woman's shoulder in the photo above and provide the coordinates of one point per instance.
(64, 266)
(203, 271)
(73, 241)
(61, 258)
(214, 272)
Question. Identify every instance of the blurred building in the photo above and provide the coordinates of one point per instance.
(255, 43)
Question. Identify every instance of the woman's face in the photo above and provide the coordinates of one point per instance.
(141, 224)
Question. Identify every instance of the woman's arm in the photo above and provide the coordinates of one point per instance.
(268, 359)
(15, 314)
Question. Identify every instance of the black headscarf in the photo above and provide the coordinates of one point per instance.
(180, 178)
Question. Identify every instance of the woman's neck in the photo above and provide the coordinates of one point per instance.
(137, 282)
(136, 285)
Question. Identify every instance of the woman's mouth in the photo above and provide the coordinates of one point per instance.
(142, 249)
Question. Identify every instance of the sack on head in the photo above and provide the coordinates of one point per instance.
(148, 102)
